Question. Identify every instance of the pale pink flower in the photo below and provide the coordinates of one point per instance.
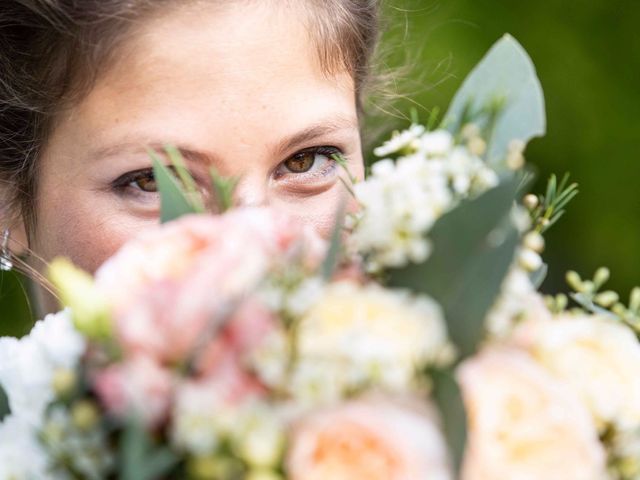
(242, 333)
(523, 424)
(172, 287)
(138, 386)
(236, 247)
(371, 438)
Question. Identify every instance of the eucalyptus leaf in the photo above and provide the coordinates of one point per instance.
(448, 398)
(5, 408)
(173, 201)
(505, 75)
(473, 247)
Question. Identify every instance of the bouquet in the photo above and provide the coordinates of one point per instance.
(412, 345)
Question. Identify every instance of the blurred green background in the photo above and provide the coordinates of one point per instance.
(587, 53)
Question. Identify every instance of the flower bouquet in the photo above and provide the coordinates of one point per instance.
(412, 345)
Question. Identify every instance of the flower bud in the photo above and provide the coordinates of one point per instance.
(477, 146)
(545, 222)
(211, 467)
(534, 241)
(574, 280)
(84, 415)
(606, 299)
(470, 130)
(64, 382)
(602, 276)
(263, 445)
(634, 300)
(531, 201)
(530, 260)
(89, 308)
(515, 161)
(263, 475)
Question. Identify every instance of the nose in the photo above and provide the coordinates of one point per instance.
(251, 191)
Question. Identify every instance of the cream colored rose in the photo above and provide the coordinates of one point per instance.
(598, 357)
(372, 439)
(524, 424)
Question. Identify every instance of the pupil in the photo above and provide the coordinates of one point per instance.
(301, 163)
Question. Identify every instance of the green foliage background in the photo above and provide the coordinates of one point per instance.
(587, 56)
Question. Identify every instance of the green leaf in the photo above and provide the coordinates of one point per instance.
(138, 457)
(173, 201)
(505, 75)
(448, 398)
(187, 180)
(224, 188)
(5, 408)
(473, 247)
(331, 259)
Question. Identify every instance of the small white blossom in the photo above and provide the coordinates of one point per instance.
(28, 365)
(401, 201)
(399, 141)
(358, 336)
(21, 454)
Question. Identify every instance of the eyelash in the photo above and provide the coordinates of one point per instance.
(123, 184)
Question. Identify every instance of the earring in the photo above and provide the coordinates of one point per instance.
(5, 255)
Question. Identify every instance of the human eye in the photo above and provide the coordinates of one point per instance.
(137, 183)
(309, 165)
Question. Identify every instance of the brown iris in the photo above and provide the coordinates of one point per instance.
(301, 162)
(147, 184)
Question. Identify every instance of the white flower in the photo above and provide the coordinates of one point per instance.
(27, 366)
(356, 335)
(400, 202)
(597, 356)
(436, 143)
(259, 435)
(21, 454)
(399, 141)
(524, 424)
(518, 301)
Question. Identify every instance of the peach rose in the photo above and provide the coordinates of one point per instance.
(523, 424)
(598, 357)
(371, 438)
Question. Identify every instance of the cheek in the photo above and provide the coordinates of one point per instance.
(87, 236)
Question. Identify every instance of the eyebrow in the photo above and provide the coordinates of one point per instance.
(288, 144)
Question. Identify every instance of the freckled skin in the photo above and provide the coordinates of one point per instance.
(228, 81)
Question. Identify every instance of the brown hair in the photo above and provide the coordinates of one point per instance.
(52, 50)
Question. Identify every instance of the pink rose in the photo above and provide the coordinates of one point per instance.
(237, 248)
(243, 332)
(172, 287)
(371, 439)
(137, 386)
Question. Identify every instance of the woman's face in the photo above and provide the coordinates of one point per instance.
(236, 87)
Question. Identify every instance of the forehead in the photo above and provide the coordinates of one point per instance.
(243, 69)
